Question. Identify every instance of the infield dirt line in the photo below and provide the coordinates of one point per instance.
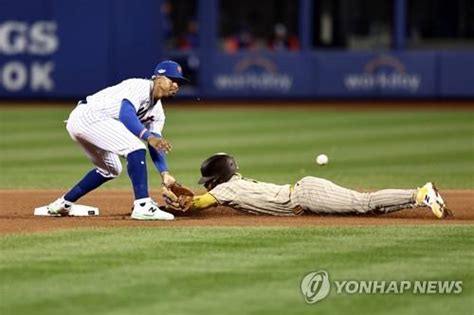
(16, 213)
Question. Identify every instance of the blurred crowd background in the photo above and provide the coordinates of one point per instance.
(307, 49)
(341, 24)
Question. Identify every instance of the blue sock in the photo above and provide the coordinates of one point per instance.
(91, 181)
(136, 167)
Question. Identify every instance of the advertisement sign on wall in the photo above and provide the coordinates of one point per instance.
(369, 74)
(57, 49)
(27, 50)
(261, 74)
(385, 73)
(254, 74)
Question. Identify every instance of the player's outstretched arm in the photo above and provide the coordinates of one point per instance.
(129, 118)
(204, 201)
(187, 203)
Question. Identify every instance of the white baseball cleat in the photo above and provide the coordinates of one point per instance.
(147, 209)
(428, 195)
(59, 207)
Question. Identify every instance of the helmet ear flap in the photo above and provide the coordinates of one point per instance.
(210, 184)
(214, 182)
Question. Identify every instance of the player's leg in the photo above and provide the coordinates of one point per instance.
(108, 166)
(144, 208)
(323, 196)
(429, 196)
(112, 136)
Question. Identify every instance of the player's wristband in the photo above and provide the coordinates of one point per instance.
(145, 134)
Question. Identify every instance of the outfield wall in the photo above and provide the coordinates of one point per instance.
(63, 49)
(342, 74)
(59, 49)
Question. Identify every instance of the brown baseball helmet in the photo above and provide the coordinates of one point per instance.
(217, 169)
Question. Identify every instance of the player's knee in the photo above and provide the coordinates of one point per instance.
(136, 147)
(137, 154)
(116, 170)
(111, 171)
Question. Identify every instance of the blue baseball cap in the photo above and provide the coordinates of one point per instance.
(170, 69)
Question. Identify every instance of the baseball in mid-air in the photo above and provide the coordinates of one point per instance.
(322, 159)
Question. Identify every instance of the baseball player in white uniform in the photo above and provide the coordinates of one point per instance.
(227, 187)
(115, 122)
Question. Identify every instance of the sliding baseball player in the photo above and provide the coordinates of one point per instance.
(227, 187)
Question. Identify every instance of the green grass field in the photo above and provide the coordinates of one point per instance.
(254, 270)
(366, 149)
(230, 270)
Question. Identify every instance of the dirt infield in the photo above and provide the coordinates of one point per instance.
(16, 213)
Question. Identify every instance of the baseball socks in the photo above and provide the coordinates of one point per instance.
(144, 208)
(91, 181)
(137, 172)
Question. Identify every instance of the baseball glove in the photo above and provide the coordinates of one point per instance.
(180, 190)
(178, 198)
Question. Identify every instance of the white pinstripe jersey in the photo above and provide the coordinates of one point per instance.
(255, 197)
(139, 92)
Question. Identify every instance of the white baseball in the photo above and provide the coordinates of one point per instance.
(322, 159)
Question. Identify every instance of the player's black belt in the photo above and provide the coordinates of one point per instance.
(82, 102)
